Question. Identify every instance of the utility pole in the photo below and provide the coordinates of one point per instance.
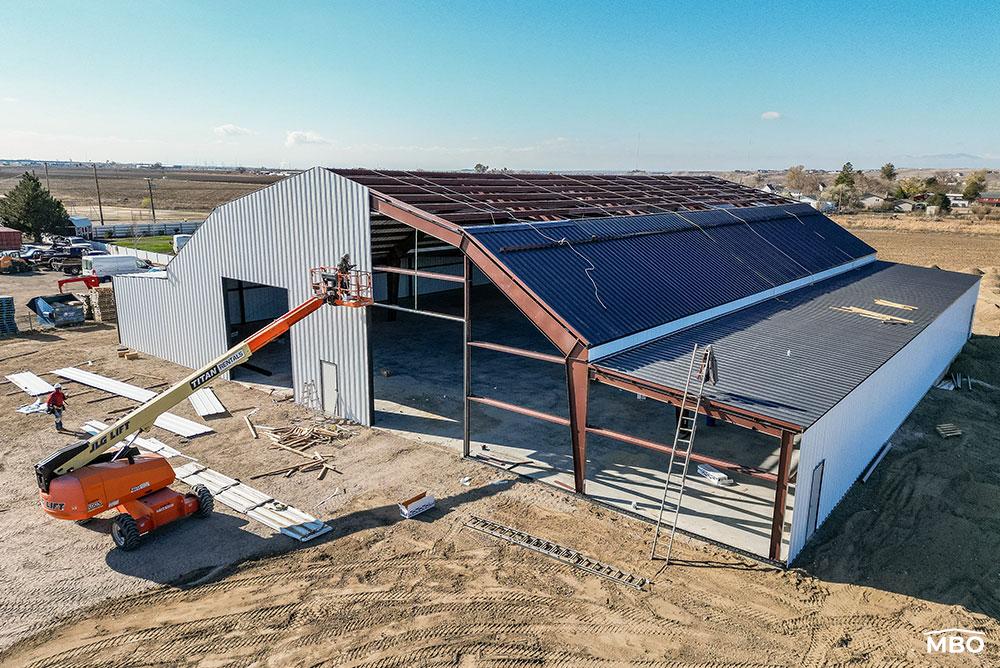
(48, 186)
(149, 184)
(100, 207)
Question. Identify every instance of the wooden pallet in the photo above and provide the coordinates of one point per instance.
(947, 430)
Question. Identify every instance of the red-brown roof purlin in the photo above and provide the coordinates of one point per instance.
(468, 198)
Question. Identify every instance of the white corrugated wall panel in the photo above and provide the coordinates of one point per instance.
(273, 237)
(853, 431)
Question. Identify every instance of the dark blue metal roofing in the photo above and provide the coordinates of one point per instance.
(794, 357)
(612, 277)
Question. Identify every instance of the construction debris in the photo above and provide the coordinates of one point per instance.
(564, 554)
(300, 441)
(947, 430)
(102, 301)
(415, 505)
(714, 475)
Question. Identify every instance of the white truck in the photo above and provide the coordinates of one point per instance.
(106, 266)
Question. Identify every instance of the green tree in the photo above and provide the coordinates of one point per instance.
(846, 176)
(940, 200)
(30, 208)
(974, 186)
(481, 168)
(888, 172)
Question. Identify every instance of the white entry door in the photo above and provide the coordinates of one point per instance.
(331, 391)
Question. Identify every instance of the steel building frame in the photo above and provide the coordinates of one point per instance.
(446, 227)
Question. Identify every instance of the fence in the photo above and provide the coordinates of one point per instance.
(112, 249)
(125, 230)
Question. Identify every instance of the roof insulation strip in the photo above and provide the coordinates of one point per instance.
(253, 503)
(205, 403)
(30, 383)
(172, 423)
(148, 444)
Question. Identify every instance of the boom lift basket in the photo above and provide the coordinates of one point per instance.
(342, 288)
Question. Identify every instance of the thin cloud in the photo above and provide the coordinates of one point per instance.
(304, 137)
(770, 116)
(11, 100)
(231, 130)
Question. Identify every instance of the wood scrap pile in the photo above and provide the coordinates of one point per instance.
(301, 441)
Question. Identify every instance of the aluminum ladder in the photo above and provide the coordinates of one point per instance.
(701, 367)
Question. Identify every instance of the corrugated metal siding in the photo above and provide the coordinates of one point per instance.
(854, 430)
(673, 265)
(273, 237)
(793, 358)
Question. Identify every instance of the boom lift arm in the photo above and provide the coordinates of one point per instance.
(339, 288)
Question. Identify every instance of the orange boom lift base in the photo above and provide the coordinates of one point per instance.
(89, 477)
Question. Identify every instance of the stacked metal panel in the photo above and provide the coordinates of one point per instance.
(253, 503)
(7, 324)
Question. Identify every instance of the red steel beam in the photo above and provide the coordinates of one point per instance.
(560, 333)
(751, 471)
(578, 391)
(544, 357)
(521, 410)
(714, 409)
(781, 494)
(420, 273)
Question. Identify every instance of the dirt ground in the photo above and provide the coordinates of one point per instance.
(913, 549)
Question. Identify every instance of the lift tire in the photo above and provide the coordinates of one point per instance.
(206, 502)
(125, 532)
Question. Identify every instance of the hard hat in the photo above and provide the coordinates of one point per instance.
(58, 386)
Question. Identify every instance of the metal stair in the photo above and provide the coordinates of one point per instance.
(702, 368)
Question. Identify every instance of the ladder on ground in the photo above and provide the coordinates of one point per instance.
(701, 368)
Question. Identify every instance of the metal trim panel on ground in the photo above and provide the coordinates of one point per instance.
(30, 383)
(173, 423)
(610, 278)
(206, 403)
(795, 357)
(253, 503)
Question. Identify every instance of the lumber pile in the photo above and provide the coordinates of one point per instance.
(301, 441)
(102, 300)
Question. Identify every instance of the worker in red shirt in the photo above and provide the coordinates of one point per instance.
(56, 404)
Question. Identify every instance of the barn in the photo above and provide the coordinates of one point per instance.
(545, 324)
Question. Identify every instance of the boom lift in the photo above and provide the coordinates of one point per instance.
(87, 478)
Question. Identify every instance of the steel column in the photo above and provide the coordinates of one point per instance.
(577, 377)
(467, 356)
(781, 494)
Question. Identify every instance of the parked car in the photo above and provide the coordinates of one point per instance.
(105, 266)
(69, 241)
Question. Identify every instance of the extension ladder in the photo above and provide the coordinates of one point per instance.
(687, 424)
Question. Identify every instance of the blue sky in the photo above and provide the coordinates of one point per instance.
(534, 85)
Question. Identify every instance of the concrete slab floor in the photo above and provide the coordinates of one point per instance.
(418, 394)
